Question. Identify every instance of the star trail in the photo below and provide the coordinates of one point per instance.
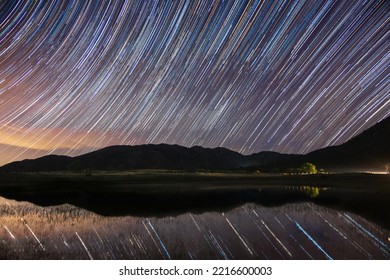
(287, 76)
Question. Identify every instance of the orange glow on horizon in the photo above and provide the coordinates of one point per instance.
(19, 143)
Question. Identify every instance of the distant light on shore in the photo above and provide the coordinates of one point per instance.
(375, 172)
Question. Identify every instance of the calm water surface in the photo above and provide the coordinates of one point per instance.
(297, 230)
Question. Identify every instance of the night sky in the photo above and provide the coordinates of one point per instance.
(288, 76)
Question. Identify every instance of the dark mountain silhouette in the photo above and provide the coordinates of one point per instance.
(160, 156)
(368, 151)
(46, 163)
(273, 162)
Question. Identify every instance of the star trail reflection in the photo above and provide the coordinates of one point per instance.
(288, 76)
(292, 231)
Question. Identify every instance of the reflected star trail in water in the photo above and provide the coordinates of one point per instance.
(288, 76)
(293, 231)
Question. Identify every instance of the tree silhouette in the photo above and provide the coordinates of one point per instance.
(309, 168)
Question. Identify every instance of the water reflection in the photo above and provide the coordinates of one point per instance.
(172, 200)
(250, 231)
(312, 192)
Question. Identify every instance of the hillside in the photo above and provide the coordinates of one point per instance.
(161, 156)
(368, 151)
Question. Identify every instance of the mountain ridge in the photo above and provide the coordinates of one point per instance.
(370, 150)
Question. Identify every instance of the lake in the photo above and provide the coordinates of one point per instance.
(283, 222)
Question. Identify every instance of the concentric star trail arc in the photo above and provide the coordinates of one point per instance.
(287, 76)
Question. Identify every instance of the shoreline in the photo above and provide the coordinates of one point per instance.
(379, 182)
(166, 194)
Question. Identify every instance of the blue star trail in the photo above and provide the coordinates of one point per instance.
(287, 76)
